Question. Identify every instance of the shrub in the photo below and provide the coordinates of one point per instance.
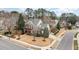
(6, 33)
(45, 32)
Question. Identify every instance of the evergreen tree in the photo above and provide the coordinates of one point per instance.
(58, 26)
(45, 33)
(21, 23)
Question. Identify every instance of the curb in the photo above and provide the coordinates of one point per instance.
(30, 45)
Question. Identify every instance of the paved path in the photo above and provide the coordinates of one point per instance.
(66, 43)
(9, 45)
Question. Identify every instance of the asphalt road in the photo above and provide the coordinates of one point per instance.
(66, 42)
(9, 45)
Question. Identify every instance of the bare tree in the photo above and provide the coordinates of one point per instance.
(19, 34)
(34, 34)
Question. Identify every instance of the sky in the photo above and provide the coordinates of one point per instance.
(58, 11)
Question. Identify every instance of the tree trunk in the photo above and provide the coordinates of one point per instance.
(44, 39)
(34, 36)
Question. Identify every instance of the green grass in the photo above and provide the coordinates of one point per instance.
(75, 45)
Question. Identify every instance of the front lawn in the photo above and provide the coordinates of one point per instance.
(38, 40)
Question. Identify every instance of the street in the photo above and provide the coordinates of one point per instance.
(66, 42)
(9, 45)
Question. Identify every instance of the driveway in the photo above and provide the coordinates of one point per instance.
(66, 42)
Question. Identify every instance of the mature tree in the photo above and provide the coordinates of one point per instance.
(34, 35)
(21, 23)
(29, 12)
(69, 17)
(19, 33)
(41, 13)
(35, 13)
(15, 31)
(72, 18)
(14, 12)
(52, 15)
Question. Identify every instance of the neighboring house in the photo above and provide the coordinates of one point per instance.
(53, 23)
(63, 23)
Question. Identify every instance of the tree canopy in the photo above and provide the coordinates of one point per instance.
(14, 12)
(69, 17)
(40, 13)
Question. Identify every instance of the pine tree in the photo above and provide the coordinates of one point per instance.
(58, 26)
(21, 23)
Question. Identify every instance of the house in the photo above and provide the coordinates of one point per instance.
(36, 25)
(28, 27)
